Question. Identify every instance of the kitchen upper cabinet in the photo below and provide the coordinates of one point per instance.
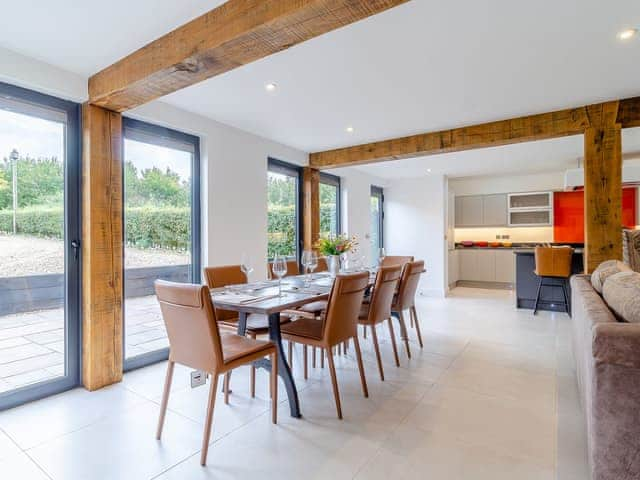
(469, 211)
(481, 211)
(494, 210)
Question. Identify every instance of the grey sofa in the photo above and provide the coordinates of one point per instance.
(607, 355)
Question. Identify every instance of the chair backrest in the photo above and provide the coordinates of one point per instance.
(553, 261)
(409, 284)
(322, 265)
(292, 269)
(396, 260)
(343, 307)
(188, 313)
(384, 289)
(216, 277)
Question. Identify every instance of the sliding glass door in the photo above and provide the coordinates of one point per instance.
(161, 228)
(283, 209)
(377, 222)
(329, 205)
(39, 245)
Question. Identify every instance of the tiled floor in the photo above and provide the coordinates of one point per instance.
(32, 344)
(491, 396)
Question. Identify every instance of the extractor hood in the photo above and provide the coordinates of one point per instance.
(574, 177)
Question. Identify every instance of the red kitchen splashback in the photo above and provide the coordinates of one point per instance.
(568, 214)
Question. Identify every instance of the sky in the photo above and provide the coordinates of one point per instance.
(36, 137)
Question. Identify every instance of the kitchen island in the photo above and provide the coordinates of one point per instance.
(551, 298)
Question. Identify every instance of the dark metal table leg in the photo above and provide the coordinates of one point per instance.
(283, 367)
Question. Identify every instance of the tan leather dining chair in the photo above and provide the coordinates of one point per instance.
(378, 309)
(338, 325)
(195, 341)
(401, 260)
(553, 263)
(222, 276)
(406, 300)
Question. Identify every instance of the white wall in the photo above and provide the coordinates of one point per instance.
(415, 224)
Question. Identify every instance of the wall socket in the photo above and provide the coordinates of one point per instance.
(198, 378)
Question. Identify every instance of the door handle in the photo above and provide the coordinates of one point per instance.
(75, 244)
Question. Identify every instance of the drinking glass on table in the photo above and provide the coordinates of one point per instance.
(246, 265)
(381, 255)
(306, 260)
(313, 263)
(279, 269)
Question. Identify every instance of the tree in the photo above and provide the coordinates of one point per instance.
(5, 190)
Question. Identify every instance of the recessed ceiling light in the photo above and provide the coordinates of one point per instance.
(428, 170)
(350, 129)
(270, 87)
(627, 34)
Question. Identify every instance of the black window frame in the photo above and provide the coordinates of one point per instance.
(72, 232)
(279, 166)
(165, 137)
(379, 193)
(335, 181)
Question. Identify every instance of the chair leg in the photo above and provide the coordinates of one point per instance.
(209, 419)
(313, 357)
(364, 332)
(165, 398)
(414, 312)
(334, 382)
(345, 346)
(393, 341)
(403, 333)
(374, 337)
(253, 381)
(304, 356)
(535, 307)
(322, 351)
(274, 387)
(290, 355)
(363, 380)
(566, 297)
(227, 379)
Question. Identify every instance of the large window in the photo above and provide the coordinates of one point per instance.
(39, 245)
(329, 205)
(161, 228)
(283, 209)
(377, 221)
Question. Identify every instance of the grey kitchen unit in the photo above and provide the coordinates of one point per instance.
(490, 266)
(481, 210)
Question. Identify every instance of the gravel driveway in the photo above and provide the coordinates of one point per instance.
(23, 255)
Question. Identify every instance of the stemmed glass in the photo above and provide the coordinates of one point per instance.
(246, 265)
(313, 263)
(381, 255)
(279, 270)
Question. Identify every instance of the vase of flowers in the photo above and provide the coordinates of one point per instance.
(333, 248)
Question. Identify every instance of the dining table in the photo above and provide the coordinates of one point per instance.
(266, 298)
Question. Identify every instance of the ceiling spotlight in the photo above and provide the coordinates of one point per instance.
(350, 129)
(627, 34)
(270, 87)
(428, 170)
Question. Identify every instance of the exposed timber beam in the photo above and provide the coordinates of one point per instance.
(562, 123)
(234, 34)
(603, 188)
(102, 266)
(311, 207)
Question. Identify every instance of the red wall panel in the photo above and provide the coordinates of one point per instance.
(568, 214)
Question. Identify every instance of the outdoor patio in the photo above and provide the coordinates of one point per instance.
(32, 344)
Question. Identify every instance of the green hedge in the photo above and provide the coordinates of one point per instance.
(146, 227)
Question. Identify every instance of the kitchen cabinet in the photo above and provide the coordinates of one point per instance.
(490, 265)
(494, 210)
(453, 267)
(530, 209)
(469, 211)
(481, 211)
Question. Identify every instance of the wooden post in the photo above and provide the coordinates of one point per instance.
(603, 188)
(311, 206)
(102, 247)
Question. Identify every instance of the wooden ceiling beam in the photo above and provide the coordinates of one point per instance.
(234, 34)
(542, 126)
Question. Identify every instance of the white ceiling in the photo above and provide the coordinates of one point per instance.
(531, 157)
(423, 66)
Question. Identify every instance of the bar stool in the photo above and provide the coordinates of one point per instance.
(553, 263)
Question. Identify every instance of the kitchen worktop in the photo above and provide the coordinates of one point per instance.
(522, 246)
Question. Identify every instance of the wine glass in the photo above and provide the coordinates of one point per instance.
(313, 263)
(279, 270)
(246, 265)
(381, 255)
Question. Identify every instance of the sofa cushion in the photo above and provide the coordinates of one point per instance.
(605, 270)
(631, 249)
(621, 291)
